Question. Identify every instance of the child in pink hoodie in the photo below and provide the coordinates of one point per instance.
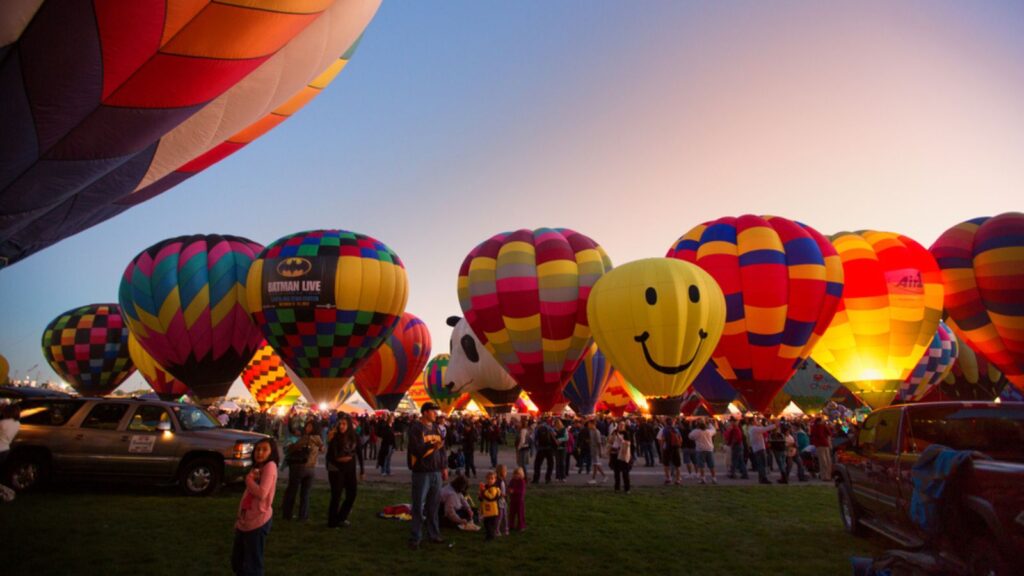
(255, 511)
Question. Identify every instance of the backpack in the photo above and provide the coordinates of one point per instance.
(545, 437)
(676, 439)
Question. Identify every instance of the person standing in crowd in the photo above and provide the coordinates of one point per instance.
(469, 440)
(596, 452)
(734, 440)
(489, 497)
(428, 463)
(584, 461)
(495, 439)
(545, 442)
(704, 439)
(821, 439)
(561, 444)
(523, 440)
(620, 455)
(343, 453)
(517, 500)
(301, 458)
(777, 445)
(793, 456)
(502, 473)
(10, 423)
(256, 510)
(755, 435)
(387, 445)
(646, 439)
(671, 442)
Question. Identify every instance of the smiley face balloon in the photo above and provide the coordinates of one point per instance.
(658, 321)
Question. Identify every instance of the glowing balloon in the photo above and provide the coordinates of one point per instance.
(588, 381)
(166, 386)
(657, 321)
(473, 369)
(436, 385)
(524, 405)
(713, 389)
(524, 294)
(620, 397)
(933, 367)
(782, 282)
(890, 310)
(266, 379)
(982, 269)
(418, 392)
(88, 347)
(811, 387)
(182, 300)
(389, 372)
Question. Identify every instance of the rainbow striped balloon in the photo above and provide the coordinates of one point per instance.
(393, 368)
(524, 294)
(435, 384)
(933, 367)
(88, 348)
(982, 263)
(166, 386)
(267, 380)
(890, 310)
(782, 282)
(182, 300)
(588, 381)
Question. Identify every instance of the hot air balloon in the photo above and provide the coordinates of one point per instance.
(620, 397)
(418, 392)
(87, 114)
(658, 320)
(166, 386)
(524, 294)
(972, 377)
(713, 389)
(811, 387)
(182, 299)
(781, 281)
(524, 405)
(267, 380)
(384, 379)
(694, 404)
(982, 269)
(473, 369)
(435, 383)
(890, 310)
(588, 381)
(325, 301)
(88, 347)
(933, 367)
(4, 369)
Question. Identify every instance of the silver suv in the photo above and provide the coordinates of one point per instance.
(160, 442)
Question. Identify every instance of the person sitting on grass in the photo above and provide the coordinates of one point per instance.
(456, 511)
(256, 511)
(490, 494)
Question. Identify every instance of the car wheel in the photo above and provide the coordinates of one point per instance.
(984, 558)
(25, 472)
(200, 477)
(848, 511)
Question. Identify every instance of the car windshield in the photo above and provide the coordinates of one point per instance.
(995, 431)
(192, 418)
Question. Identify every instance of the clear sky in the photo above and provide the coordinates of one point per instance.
(628, 121)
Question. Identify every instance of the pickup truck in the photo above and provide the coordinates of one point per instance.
(144, 440)
(983, 507)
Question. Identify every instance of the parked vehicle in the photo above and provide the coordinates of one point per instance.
(983, 506)
(151, 441)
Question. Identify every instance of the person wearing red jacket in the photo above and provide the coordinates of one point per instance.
(821, 439)
(734, 439)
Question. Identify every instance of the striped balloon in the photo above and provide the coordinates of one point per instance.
(325, 300)
(524, 294)
(982, 263)
(524, 405)
(392, 369)
(88, 347)
(166, 386)
(714, 389)
(435, 383)
(182, 300)
(890, 310)
(266, 378)
(418, 391)
(933, 367)
(620, 397)
(782, 282)
(811, 387)
(694, 404)
(588, 381)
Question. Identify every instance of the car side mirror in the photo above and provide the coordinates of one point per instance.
(164, 426)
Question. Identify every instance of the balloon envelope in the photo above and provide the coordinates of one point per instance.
(713, 389)
(933, 367)
(435, 383)
(811, 387)
(524, 293)
(782, 282)
(163, 383)
(182, 299)
(620, 397)
(88, 347)
(395, 365)
(588, 381)
(473, 369)
(266, 379)
(418, 392)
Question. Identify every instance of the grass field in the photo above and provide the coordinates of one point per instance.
(691, 530)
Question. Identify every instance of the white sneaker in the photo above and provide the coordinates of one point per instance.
(714, 480)
(592, 482)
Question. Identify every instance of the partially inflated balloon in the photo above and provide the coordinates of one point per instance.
(325, 300)
(971, 378)
(524, 294)
(620, 397)
(524, 405)
(811, 387)
(588, 381)
(88, 348)
(933, 367)
(166, 386)
(473, 369)
(435, 383)
(182, 299)
(396, 364)
(713, 389)
(982, 263)
(267, 380)
(782, 282)
(889, 312)
(657, 321)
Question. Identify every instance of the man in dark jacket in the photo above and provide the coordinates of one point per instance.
(428, 462)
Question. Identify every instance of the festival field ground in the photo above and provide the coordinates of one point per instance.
(690, 530)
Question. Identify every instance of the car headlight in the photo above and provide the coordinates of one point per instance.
(242, 450)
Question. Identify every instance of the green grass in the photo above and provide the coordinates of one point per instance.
(691, 530)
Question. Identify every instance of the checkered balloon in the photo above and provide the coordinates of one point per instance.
(88, 348)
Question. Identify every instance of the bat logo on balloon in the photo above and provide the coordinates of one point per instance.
(294, 267)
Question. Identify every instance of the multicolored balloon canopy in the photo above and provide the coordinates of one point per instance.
(163, 383)
(888, 315)
(982, 269)
(326, 300)
(658, 321)
(182, 299)
(389, 372)
(811, 387)
(933, 367)
(972, 377)
(620, 397)
(714, 390)
(473, 369)
(267, 380)
(418, 392)
(435, 383)
(782, 281)
(88, 347)
(525, 293)
(588, 381)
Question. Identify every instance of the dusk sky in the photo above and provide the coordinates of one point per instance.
(628, 121)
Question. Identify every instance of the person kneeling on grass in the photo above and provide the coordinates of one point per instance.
(489, 496)
(456, 511)
(255, 511)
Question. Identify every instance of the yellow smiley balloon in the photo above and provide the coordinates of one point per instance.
(658, 320)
